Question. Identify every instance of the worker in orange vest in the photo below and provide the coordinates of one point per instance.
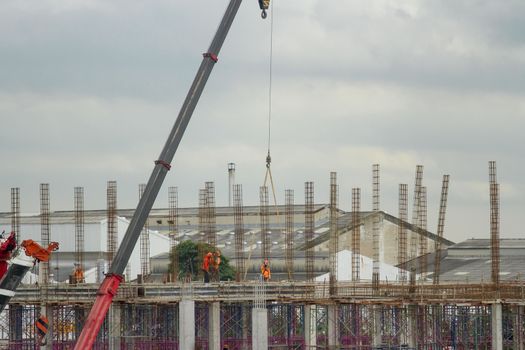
(207, 261)
(265, 270)
(78, 274)
(215, 267)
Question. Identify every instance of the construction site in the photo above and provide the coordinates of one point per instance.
(358, 304)
(267, 276)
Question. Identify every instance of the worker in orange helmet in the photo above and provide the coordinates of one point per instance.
(206, 262)
(265, 270)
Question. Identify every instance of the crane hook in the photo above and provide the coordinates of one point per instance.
(263, 14)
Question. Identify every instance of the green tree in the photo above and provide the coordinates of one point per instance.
(190, 256)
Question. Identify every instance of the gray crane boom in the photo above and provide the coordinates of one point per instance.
(108, 288)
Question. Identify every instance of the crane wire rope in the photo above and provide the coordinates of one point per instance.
(268, 174)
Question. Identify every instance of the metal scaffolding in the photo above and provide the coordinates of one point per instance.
(44, 230)
(239, 233)
(356, 234)
(415, 212)
(309, 256)
(211, 231)
(112, 224)
(402, 231)
(334, 234)
(289, 232)
(264, 219)
(440, 228)
(423, 243)
(145, 268)
(173, 224)
(375, 223)
(15, 211)
(79, 227)
(358, 314)
(494, 222)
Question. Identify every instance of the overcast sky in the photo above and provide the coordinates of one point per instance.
(89, 90)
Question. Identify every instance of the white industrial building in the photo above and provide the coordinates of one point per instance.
(62, 230)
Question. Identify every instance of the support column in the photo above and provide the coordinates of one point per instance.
(214, 326)
(15, 323)
(114, 327)
(245, 326)
(377, 338)
(497, 326)
(518, 328)
(332, 326)
(310, 326)
(259, 329)
(412, 327)
(187, 325)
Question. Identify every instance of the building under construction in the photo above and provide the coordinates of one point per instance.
(397, 286)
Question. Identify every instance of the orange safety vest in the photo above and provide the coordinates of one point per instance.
(206, 262)
(265, 271)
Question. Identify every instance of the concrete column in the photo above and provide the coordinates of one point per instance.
(332, 326)
(377, 339)
(310, 326)
(214, 326)
(245, 309)
(114, 327)
(412, 327)
(497, 327)
(187, 325)
(518, 328)
(259, 329)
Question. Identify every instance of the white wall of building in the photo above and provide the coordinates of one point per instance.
(344, 269)
(95, 240)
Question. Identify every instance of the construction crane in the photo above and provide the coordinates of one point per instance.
(108, 288)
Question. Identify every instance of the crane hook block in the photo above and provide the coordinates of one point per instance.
(264, 5)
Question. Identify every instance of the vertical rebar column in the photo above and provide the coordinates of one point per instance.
(44, 227)
(203, 215)
(15, 211)
(79, 227)
(402, 231)
(239, 232)
(263, 213)
(289, 223)
(144, 242)
(356, 234)
(423, 243)
(203, 224)
(309, 229)
(112, 227)
(231, 182)
(415, 212)
(375, 224)
(334, 234)
(494, 222)
(211, 232)
(173, 221)
(440, 228)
